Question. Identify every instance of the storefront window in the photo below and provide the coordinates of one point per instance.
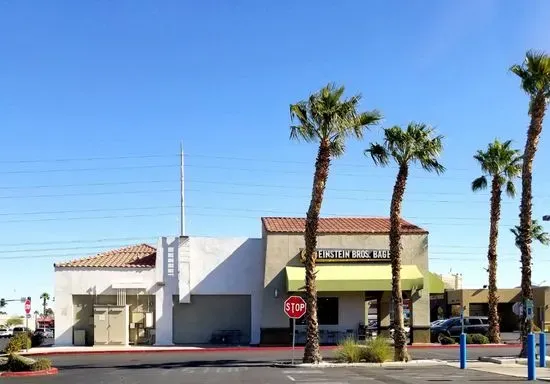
(327, 312)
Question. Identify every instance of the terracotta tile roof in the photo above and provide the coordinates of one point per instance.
(134, 256)
(378, 225)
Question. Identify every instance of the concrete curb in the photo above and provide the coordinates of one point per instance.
(456, 346)
(91, 351)
(45, 372)
(415, 363)
(510, 360)
(54, 351)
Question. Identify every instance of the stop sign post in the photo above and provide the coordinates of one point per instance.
(27, 306)
(295, 308)
(27, 311)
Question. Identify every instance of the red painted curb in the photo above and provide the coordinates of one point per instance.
(247, 349)
(45, 372)
(451, 346)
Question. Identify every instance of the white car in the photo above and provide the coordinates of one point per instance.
(46, 332)
(5, 332)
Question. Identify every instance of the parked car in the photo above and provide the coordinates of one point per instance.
(453, 328)
(17, 330)
(45, 332)
(436, 322)
(5, 332)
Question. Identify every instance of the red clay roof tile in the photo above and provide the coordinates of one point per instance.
(134, 256)
(379, 225)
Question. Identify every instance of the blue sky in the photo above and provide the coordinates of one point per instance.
(133, 79)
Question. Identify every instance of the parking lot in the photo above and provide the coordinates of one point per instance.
(238, 367)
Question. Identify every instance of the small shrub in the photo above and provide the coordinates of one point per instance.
(349, 351)
(41, 365)
(445, 340)
(478, 338)
(469, 339)
(17, 343)
(17, 363)
(377, 350)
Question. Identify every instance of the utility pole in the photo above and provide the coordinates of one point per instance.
(182, 194)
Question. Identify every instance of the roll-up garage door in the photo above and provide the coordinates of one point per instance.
(209, 317)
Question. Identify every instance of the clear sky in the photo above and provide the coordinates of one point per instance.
(125, 79)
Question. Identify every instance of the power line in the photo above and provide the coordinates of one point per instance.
(19, 196)
(82, 241)
(228, 168)
(216, 182)
(367, 161)
(256, 217)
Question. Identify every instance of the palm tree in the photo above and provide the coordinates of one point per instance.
(416, 144)
(534, 74)
(328, 120)
(45, 297)
(537, 233)
(502, 164)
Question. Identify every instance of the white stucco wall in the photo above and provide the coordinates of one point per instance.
(230, 266)
(223, 266)
(89, 281)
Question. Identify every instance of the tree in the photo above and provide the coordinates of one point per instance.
(502, 164)
(537, 233)
(534, 74)
(13, 321)
(49, 312)
(327, 119)
(36, 313)
(45, 297)
(416, 144)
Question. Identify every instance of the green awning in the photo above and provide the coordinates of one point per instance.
(436, 284)
(353, 278)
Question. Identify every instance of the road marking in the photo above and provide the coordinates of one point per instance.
(187, 370)
(305, 372)
(290, 378)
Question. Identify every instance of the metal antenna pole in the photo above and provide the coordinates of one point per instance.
(182, 194)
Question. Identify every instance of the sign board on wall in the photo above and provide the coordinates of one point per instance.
(350, 255)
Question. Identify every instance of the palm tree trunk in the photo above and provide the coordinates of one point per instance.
(494, 328)
(312, 353)
(537, 110)
(400, 341)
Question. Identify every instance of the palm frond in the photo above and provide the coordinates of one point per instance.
(501, 162)
(510, 189)
(327, 116)
(479, 184)
(534, 73)
(378, 153)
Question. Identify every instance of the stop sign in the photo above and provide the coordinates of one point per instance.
(295, 307)
(27, 306)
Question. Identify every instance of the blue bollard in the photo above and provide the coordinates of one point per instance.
(531, 361)
(542, 349)
(462, 351)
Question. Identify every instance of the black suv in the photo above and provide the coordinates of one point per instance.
(453, 328)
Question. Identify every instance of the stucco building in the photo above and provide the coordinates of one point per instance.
(196, 290)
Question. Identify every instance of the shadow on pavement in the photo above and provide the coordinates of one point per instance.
(173, 365)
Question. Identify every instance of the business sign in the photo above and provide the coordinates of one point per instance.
(350, 255)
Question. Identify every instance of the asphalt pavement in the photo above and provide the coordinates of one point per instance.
(237, 367)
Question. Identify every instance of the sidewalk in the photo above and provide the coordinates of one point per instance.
(53, 350)
(514, 370)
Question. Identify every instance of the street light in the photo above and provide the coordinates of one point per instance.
(546, 218)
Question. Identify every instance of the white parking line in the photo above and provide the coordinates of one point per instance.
(305, 372)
